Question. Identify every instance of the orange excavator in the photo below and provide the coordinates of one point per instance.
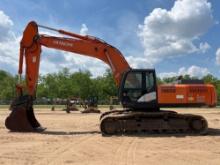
(137, 89)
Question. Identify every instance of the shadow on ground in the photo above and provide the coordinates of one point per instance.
(211, 132)
(70, 133)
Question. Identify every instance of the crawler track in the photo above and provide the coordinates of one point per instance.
(123, 122)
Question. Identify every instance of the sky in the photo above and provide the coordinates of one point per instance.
(175, 37)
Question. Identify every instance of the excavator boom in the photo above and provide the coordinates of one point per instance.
(32, 42)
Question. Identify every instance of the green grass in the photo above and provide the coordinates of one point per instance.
(4, 106)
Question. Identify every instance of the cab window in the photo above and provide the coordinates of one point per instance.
(133, 81)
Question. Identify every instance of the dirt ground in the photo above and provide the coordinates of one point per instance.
(75, 139)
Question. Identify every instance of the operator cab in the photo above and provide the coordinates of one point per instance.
(138, 90)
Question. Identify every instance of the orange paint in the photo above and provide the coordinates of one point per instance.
(176, 94)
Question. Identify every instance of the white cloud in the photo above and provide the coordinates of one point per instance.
(171, 33)
(8, 43)
(218, 56)
(76, 62)
(194, 71)
(9, 52)
(204, 47)
(47, 66)
(5, 26)
(84, 29)
(139, 62)
(54, 60)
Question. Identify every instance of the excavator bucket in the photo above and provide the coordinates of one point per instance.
(22, 118)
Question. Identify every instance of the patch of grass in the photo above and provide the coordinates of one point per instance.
(4, 106)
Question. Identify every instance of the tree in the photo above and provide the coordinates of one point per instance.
(7, 85)
(65, 84)
(109, 86)
(210, 79)
(169, 79)
(83, 82)
(213, 80)
(159, 81)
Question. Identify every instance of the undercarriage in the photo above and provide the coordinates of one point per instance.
(162, 122)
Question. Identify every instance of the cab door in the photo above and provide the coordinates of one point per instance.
(138, 90)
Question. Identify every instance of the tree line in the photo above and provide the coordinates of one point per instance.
(81, 84)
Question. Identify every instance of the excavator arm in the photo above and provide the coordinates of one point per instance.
(32, 41)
